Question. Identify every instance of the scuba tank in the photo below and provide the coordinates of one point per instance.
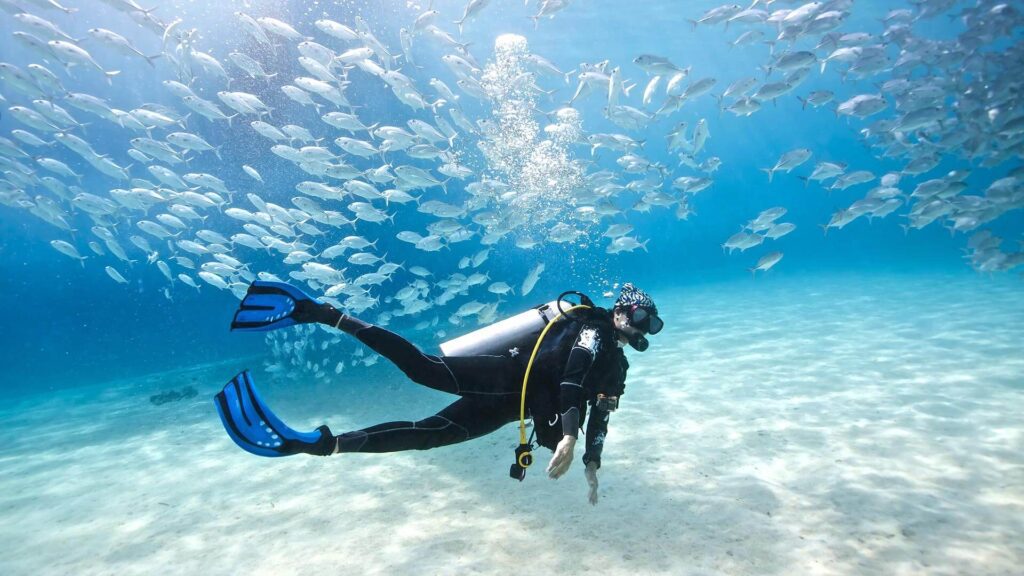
(499, 338)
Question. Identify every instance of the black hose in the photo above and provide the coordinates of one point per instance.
(584, 300)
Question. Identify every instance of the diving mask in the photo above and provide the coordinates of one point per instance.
(642, 319)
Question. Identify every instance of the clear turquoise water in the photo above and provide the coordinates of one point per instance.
(76, 325)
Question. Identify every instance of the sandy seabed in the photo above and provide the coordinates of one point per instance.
(814, 425)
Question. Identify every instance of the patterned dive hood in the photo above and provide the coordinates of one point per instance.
(633, 296)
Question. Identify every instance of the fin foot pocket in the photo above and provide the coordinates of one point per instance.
(273, 305)
(256, 429)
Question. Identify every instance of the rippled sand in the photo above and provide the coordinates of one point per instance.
(808, 425)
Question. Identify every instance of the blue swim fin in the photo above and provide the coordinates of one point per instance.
(252, 425)
(273, 305)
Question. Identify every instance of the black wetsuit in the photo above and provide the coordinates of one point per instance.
(578, 359)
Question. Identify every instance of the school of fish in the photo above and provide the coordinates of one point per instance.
(514, 176)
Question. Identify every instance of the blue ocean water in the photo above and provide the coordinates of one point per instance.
(73, 333)
(67, 314)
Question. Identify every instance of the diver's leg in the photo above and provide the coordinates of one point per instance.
(331, 316)
(456, 375)
(485, 376)
(426, 369)
(419, 367)
(464, 419)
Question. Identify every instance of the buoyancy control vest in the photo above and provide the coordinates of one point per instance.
(556, 326)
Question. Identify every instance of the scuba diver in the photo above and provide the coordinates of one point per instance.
(549, 363)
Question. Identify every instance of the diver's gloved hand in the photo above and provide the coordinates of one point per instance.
(324, 446)
(562, 458)
(591, 473)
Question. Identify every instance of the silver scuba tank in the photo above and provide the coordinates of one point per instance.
(507, 337)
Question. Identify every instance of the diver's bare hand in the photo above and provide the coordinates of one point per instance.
(562, 459)
(591, 473)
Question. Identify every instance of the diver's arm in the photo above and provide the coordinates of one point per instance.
(591, 473)
(581, 358)
(597, 429)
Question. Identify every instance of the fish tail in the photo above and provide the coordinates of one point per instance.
(770, 172)
(150, 59)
